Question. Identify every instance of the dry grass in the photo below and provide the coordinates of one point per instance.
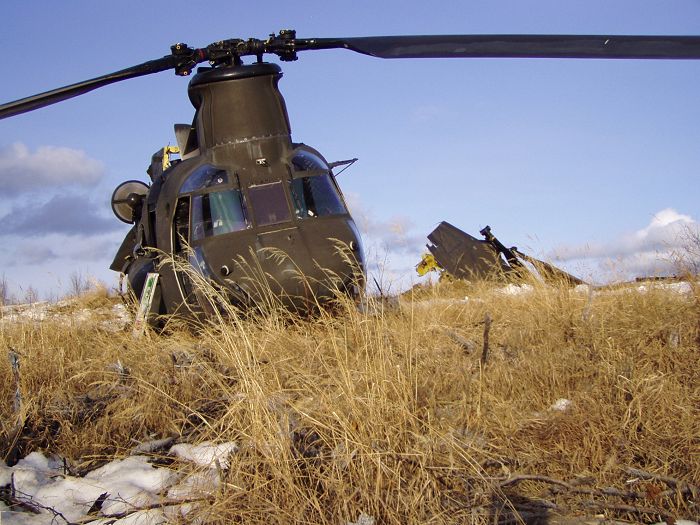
(390, 412)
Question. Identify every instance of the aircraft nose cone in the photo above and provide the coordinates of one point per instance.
(308, 271)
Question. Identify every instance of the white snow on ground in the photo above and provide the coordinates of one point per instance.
(561, 405)
(515, 289)
(681, 288)
(205, 454)
(116, 317)
(129, 488)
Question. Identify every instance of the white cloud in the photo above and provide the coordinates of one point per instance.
(392, 247)
(666, 225)
(395, 235)
(98, 248)
(49, 166)
(33, 253)
(65, 214)
(652, 250)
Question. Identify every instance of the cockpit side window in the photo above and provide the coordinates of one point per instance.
(316, 196)
(217, 213)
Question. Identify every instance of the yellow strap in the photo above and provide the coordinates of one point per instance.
(167, 151)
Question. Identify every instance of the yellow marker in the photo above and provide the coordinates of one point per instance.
(167, 151)
(428, 264)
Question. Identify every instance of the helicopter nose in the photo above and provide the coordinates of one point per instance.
(313, 262)
(299, 265)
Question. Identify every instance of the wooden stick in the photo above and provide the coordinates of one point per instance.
(683, 486)
(487, 327)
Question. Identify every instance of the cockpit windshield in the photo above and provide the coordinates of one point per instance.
(316, 196)
(217, 213)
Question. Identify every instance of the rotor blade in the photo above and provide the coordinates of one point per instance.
(63, 93)
(416, 46)
(515, 46)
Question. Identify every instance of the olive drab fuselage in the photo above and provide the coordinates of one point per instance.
(245, 207)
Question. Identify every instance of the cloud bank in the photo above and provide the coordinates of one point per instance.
(22, 170)
(73, 250)
(65, 214)
(394, 236)
(392, 247)
(42, 227)
(652, 250)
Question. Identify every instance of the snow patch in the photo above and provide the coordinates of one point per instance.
(561, 405)
(110, 319)
(363, 519)
(119, 492)
(515, 289)
(205, 454)
(680, 288)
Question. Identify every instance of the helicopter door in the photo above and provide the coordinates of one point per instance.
(181, 242)
(181, 225)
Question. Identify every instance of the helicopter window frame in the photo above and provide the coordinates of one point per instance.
(312, 198)
(218, 212)
(181, 229)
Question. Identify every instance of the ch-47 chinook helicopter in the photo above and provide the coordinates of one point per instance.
(243, 192)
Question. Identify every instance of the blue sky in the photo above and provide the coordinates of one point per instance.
(593, 161)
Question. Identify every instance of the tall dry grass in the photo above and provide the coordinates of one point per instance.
(390, 410)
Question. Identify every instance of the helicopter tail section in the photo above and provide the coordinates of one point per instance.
(462, 256)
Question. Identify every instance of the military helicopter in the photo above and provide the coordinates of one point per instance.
(244, 202)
